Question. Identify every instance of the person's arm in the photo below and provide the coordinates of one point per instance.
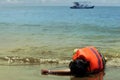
(56, 72)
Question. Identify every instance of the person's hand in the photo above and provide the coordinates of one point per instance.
(44, 72)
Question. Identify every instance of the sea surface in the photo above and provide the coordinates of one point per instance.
(49, 34)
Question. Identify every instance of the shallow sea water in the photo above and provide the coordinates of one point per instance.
(36, 32)
(32, 72)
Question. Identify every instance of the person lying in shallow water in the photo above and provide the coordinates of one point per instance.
(85, 61)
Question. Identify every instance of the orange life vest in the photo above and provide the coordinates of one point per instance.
(91, 55)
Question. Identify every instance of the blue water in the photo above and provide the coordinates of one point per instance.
(58, 29)
(32, 32)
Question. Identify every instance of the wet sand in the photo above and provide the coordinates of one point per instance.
(32, 72)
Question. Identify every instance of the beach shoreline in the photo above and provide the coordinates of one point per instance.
(30, 72)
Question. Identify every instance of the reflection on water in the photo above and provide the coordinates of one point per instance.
(98, 76)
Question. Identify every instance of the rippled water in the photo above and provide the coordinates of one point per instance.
(56, 31)
(33, 36)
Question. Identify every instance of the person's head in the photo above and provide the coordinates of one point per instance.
(78, 67)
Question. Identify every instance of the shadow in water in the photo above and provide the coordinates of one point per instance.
(98, 76)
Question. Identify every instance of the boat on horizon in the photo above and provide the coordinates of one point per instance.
(78, 5)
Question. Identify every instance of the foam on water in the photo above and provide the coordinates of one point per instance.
(16, 60)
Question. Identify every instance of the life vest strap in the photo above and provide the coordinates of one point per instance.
(96, 54)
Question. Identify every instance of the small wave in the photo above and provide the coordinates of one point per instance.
(15, 24)
(115, 62)
(6, 24)
(31, 60)
(16, 60)
(31, 25)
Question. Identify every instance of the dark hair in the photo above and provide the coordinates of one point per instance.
(78, 67)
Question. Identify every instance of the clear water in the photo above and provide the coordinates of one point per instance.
(33, 72)
(53, 32)
(58, 29)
